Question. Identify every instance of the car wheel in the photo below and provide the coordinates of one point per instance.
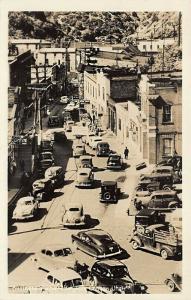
(166, 188)
(171, 286)
(106, 196)
(135, 245)
(164, 254)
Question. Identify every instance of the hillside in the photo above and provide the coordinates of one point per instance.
(92, 26)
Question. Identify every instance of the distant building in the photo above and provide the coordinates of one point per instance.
(148, 46)
(161, 117)
(30, 44)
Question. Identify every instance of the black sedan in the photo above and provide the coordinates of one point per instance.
(114, 162)
(114, 275)
(97, 243)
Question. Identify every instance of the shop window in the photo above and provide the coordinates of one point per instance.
(167, 147)
(167, 116)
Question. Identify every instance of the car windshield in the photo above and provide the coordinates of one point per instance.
(74, 209)
(97, 140)
(27, 202)
(79, 147)
(114, 158)
(45, 143)
(118, 271)
(62, 252)
(104, 146)
(83, 174)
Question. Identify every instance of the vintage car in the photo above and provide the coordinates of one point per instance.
(114, 162)
(163, 181)
(78, 149)
(96, 242)
(68, 125)
(85, 177)
(109, 192)
(158, 200)
(46, 155)
(42, 189)
(53, 121)
(54, 256)
(66, 116)
(70, 106)
(147, 217)
(157, 238)
(26, 208)
(94, 141)
(85, 161)
(56, 175)
(64, 100)
(73, 215)
(44, 164)
(177, 177)
(46, 145)
(64, 280)
(175, 161)
(174, 282)
(102, 149)
(114, 275)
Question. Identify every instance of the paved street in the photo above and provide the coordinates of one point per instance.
(25, 238)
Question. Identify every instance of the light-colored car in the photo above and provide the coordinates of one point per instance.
(70, 106)
(85, 177)
(73, 215)
(78, 149)
(54, 256)
(26, 208)
(68, 125)
(94, 141)
(64, 100)
(46, 155)
(85, 161)
(64, 280)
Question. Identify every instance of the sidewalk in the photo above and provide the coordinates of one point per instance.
(22, 152)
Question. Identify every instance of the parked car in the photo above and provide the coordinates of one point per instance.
(78, 149)
(174, 282)
(64, 100)
(147, 217)
(102, 149)
(26, 208)
(54, 256)
(42, 188)
(85, 161)
(64, 280)
(46, 155)
(85, 177)
(73, 215)
(97, 243)
(159, 200)
(175, 161)
(53, 121)
(46, 145)
(44, 164)
(157, 238)
(114, 275)
(114, 162)
(56, 175)
(94, 141)
(109, 192)
(66, 116)
(68, 125)
(163, 170)
(165, 180)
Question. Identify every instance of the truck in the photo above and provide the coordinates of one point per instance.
(157, 238)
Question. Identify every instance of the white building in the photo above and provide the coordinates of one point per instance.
(57, 56)
(30, 44)
(148, 46)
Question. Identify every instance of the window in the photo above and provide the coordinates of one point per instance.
(36, 55)
(119, 124)
(103, 92)
(98, 90)
(144, 47)
(158, 46)
(167, 147)
(46, 61)
(36, 46)
(167, 113)
(151, 47)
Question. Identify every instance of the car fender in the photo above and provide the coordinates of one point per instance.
(168, 250)
(136, 239)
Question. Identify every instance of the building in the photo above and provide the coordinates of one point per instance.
(153, 46)
(161, 116)
(34, 45)
(52, 56)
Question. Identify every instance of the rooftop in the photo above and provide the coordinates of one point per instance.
(29, 41)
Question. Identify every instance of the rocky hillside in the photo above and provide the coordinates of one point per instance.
(92, 26)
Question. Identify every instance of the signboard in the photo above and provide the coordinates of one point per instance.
(79, 130)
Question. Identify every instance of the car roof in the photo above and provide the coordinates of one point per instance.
(64, 274)
(54, 247)
(110, 262)
(95, 232)
(53, 116)
(155, 226)
(103, 143)
(85, 170)
(164, 168)
(105, 183)
(23, 199)
(55, 168)
(146, 212)
(114, 155)
(167, 192)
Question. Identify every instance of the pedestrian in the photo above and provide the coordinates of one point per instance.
(22, 165)
(126, 153)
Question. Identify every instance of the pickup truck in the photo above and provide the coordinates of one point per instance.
(157, 238)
